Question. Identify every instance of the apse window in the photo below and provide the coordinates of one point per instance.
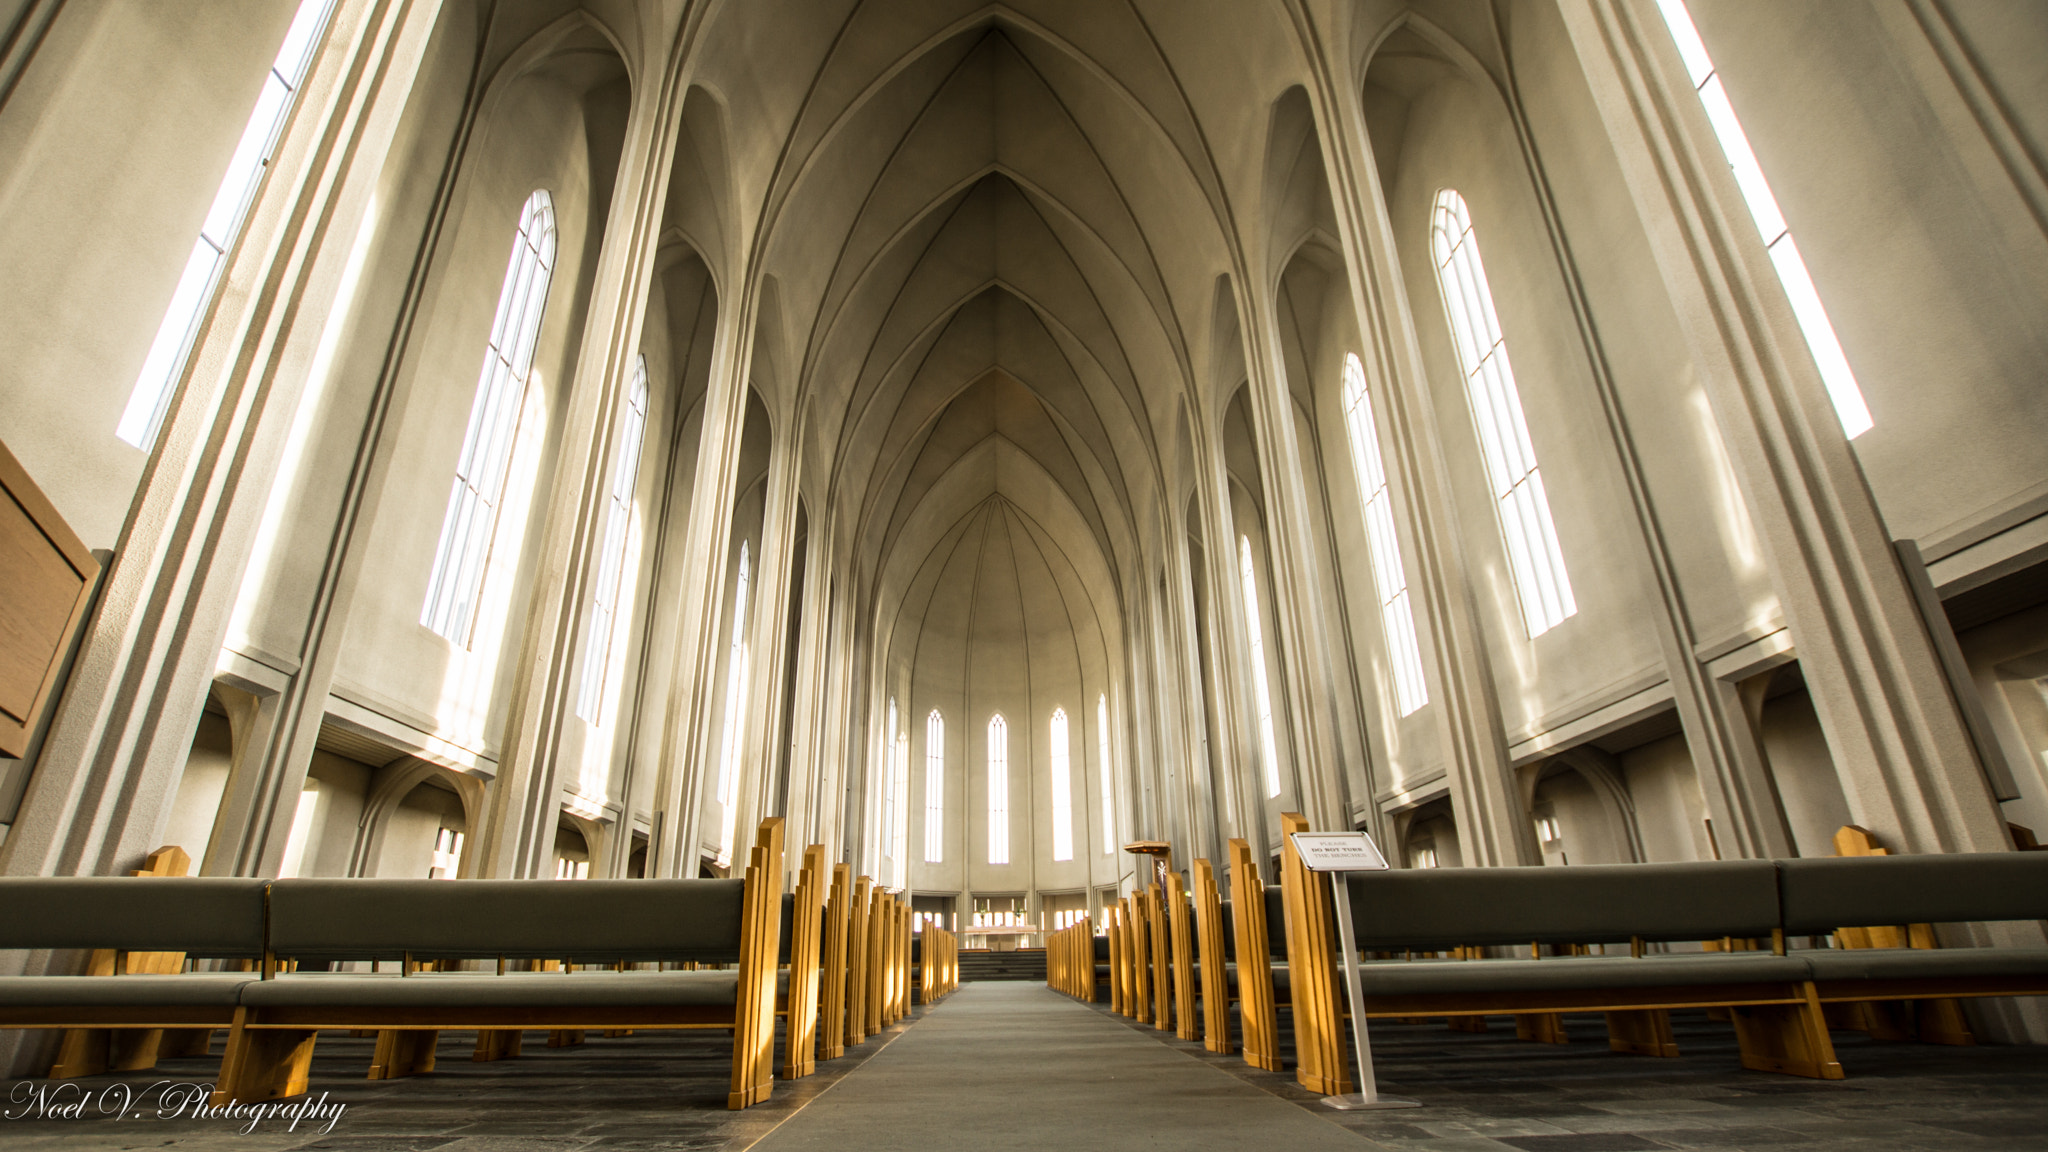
(151, 399)
(1390, 579)
(1534, 557)
(1841, 384)
(1262, 694)
(1062, 790)
(934, 787)
(998, 790)
(479, 488)
(611, 562)
(1108, 779)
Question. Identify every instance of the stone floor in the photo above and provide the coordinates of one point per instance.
(652, 1091)
(1489, 1092)
(1481, 1093)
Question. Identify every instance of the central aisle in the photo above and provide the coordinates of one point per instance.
(1019, 1066)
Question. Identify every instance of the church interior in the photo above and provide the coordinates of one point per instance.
(759, 540)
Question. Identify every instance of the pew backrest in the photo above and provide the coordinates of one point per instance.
(584, 920)
(214, 917)
(1434, 908)
(1823, 894)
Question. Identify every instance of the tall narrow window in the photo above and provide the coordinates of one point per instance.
(1397, 616)
(899, 842)
(479, 485)
(998, 790)
(735, 685)
(1763, 208)
(611, 561)
(1262, 693)
(934, 787)
(1062, 790)
(1108, 780)
(222, 227)
(889, 783)
(1533, 554)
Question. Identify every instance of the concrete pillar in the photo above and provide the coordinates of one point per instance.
(1900, 744)
(119, 741)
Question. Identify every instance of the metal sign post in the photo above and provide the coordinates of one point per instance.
(1341, 853)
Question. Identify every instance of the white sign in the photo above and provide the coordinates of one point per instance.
(1339, 852)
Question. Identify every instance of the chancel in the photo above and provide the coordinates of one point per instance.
(589, 568)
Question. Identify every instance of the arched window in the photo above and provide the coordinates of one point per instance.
(736, 687)
(1108, 777)
(611, 559)
(1062, 790)
(479, 486)
(1533, 555)
(165, 363)
(1262, 693)
(1397, 616)
(889, 783)
(934, 787)
(998, 790)
(1763, 208)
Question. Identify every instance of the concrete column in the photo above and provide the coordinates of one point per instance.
(119, 741)
(1899, 742)
(1304, 617)
(768, 630)
(516, 836)
(1230, 647)
(1492, 827)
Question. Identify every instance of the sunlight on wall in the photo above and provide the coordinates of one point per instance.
(464, 713)
(595, 776)
(263, 558)
(1730, 511)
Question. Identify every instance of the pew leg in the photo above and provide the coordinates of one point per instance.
(403, 1052)
(1466, 1023)
(1541, 1028)
(611, 1032)
(1942, 1022)
(497, 1044)
(1643, 1032)
(264, 1063)
(83, 1053)
(179, 1042)
(565, 1037)
(134, 1049)
(1788, 1038)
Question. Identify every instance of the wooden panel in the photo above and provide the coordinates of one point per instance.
(48, 575)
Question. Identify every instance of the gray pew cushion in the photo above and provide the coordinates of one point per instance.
(1822, 895)
(189, 990)
(1576, 973)
(203, 916)
(1430, 908)
(518, 990)
(584, 920)
(1925, 963)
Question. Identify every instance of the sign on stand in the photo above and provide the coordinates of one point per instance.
(1342, 852)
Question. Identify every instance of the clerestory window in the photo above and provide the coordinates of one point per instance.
(1390, 579)
(1534, 557)
(603, 626)
(479, 487)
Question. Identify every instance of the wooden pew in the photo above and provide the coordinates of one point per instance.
(1321, 1065)
(1256, 1002)
(800, 1003)
(1180, 929)
(1929, 1021)
(1112, 919)
(1215, 960)
(90, 1051)
(118, 1015)
(833, 961)
(270, 1044)
(1160, 956)
(857, 960)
